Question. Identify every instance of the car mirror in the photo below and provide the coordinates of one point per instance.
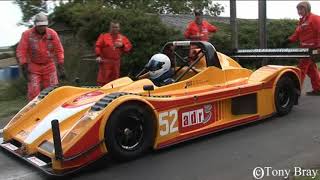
(148, 87)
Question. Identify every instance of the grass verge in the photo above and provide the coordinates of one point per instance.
(10, 107)
(12, 98)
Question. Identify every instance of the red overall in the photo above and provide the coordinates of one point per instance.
(202, 30)
(308, 33)
(39, 52)
(109, 67)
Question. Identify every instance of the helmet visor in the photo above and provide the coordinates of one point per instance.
(154, 65)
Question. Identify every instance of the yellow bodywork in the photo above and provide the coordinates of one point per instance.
(211, 87)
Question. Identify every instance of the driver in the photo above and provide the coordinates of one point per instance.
(160, 71)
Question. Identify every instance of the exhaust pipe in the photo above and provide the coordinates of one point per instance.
(56, 139)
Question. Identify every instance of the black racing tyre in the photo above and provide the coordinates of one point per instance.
(284, 96)
(130, 131)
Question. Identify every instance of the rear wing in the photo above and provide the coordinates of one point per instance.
(276, 53)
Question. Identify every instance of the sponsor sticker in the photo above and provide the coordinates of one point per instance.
(9, 146)
(196, 117)
(88, 96)
(192, 117)
(36, 161)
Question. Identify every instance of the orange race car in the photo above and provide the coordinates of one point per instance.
(66, 128)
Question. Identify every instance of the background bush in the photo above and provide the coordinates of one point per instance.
(248, 37)
(146, 32)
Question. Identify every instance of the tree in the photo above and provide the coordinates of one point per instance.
(31, 7)
(214, 10)
(169, 6)
(146, 32)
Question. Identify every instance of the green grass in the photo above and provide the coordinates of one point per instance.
(11, 107)
(12, 98)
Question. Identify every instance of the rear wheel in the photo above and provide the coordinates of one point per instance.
(130, 131)
(284, 95)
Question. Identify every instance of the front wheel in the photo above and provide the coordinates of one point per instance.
(130, 131)
(284, 95)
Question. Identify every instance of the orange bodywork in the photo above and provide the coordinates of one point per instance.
(198, 104)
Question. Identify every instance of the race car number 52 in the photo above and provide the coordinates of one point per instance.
(168, 122)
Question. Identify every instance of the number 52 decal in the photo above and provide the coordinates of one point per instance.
(168, 122)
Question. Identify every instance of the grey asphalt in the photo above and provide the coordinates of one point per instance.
(278, 142)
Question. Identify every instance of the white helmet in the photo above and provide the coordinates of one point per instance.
(158, 65)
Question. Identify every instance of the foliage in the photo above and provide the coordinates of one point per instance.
(31, 7)
(222, 39)
(11, 107)
(214, 10)
(279, 30)
(248, 37)
(146, 32)
(12, 90)
(12, 98)
(168, 6)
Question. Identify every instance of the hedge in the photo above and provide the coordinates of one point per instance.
(146, 32)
